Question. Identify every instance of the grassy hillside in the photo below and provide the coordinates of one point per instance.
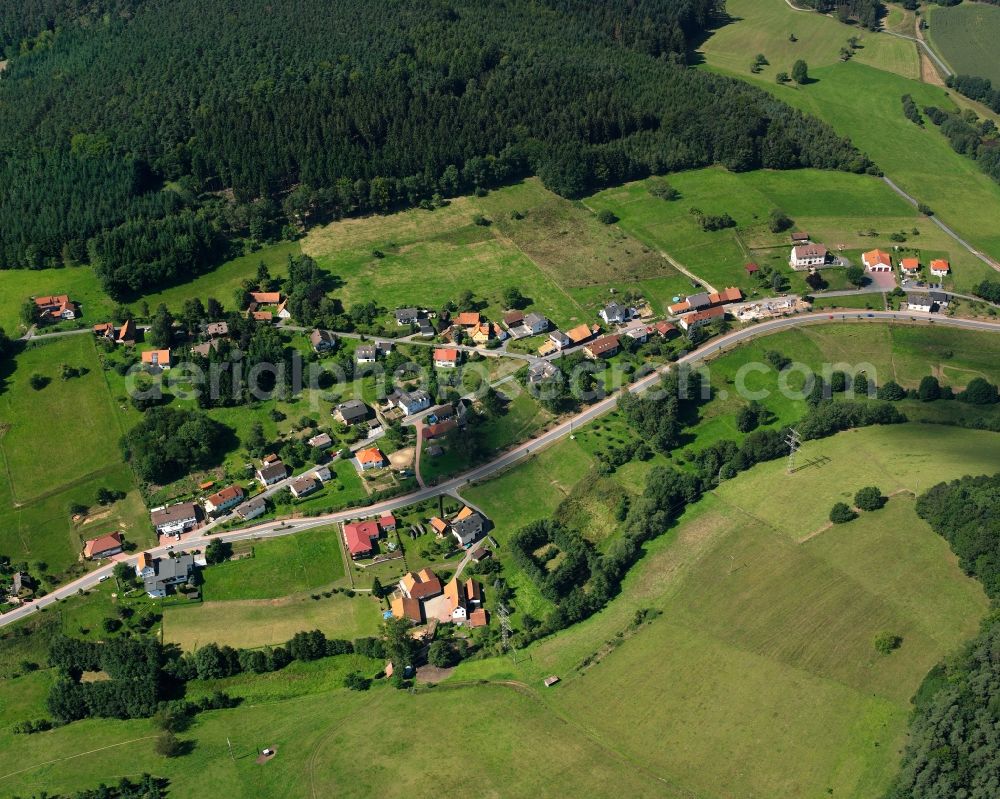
(965, 36)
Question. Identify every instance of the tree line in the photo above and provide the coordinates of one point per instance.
(245, 123)
(954, 745)
(867, 13)
(969, 135)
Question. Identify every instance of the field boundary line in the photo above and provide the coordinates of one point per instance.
(78, 754)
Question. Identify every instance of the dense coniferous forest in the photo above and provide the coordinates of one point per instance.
(954, 747)
(141, 134)
(865, 12)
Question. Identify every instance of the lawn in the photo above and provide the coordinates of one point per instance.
(262, 622)
(765, 27)
(965, 36)
(281, 566)
(36, 492)
(80, 283)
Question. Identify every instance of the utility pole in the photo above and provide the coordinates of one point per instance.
(794, 441)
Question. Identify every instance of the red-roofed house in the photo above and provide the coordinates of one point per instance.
(387, 522)
(665, 329)
(159, 358)
(724, 296)
(468, 319)
(420, 585)
(940, 267)
(358, 536)
(223, 500)
(692, 320)
(910, 266)
(57, 306)
(103, 546)
(446, 357)
(371, 458)
(602, 348)
(439, 429)
(877, 261)
(480, 617)
(404, 607)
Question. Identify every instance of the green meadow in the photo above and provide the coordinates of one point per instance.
(965, 36)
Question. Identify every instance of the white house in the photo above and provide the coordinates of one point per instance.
(940, 267)
(877, 261)
(303, 486)
(365, 353)
(223, 500)
(251, 509)
(446, 357)
(411, 402)
(536, 323)
(323, 474)
(919, 302)
(272, 473)
(615, 314)
(174, 519)
(805, 255)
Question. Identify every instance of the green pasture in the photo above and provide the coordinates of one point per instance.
(965, 36)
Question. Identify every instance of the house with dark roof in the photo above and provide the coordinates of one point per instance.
(168, 572)
(536, 323)
(174, 519)
(541, 371)
(467, 526)
(304, 486)
(322, 340)
(352, 412)
(411, 402)
(603, 347)
(615, 314)
(251, 509)
(365, 353)
(272, 473)
(407, 316)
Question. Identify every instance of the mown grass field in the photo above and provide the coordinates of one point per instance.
(863, 102)
(759, 677)
(80, 283)
(279, 566)
(53, 457)
(262, 622)
(764, 26)
(965, 36)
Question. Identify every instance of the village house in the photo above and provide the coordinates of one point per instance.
(221, 501)
(407, 316)
(483, 333)
(252, 508)
(877, 261)
(909, 266)
(940, 267)
(467, 526)
(265, 299)
(411, 402)
(352, 412)
(439, 526)
(581, 333)
(168, 572)
(103, 546)
(637, 331)
(371, 458)
(541, 371)
(536, 323)
(205, 348)
(468, 319)
(217, 329)
(21, 581)
(725, 296)
(665, 329)
(420, 585)
(698, 318)
(304, 486)
(403, 607)
(322, 473)
(174, 519)
(320, 441)
(806, 255)
(678, 308)
(365, 353)
(126, 334)
(446, 357)
(799, 237)
(145, 566)
(322, 340)
(480, 617)
(387, 522)
(462, 598)
(603, 347)
(615, 314)
(928, 302)
(438, 429)
(559, 340)
(425, 328)
(270, 473)
(55, 307)
(513, 319)
(156, 359)
(359, 538)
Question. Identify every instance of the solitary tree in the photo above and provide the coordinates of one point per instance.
(841, 513)
(869, 498)
(800, 72)
(930, 389)
(885, 643)
(856, 275)
(29, 312)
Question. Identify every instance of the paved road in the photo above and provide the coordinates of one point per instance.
(275, 529)
(925, 47)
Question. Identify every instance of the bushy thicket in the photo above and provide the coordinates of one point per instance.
(865, 12)
(971, 136)
(169, 443)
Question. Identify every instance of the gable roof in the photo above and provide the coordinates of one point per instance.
(809, 251)
(911, 264)
(227, 494)
(751, 268)
(513, 318)
(468, 319)
(266, 297)
(579, 333)
(940, 265)
(424, 583)
(731, 294)
(438, 525)
(370, 455)
(102, 544)
(446, 354)
(173, 513)
(877, 257)
(406, 608)
(603, 345)
(157, 357)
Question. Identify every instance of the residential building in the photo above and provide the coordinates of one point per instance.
(174, 519)
(455, 602)
(439, 526)
(168, 572)
(909, 266)
(480, 617)
(800, 237)
(877, 261)
(536, 323)
(411, 402)
(371, 458)
(467, 526)
(323, 474)
(156, 359)
(221, 501)
(271, 473)
(320, 441)
(637, 331)
(145, 566)
(698, 318)
(304, 486)
(359, 538)
(217, 329)
(205, 348)
(365, 353)
(103, 546)
(54, 307)
(352, 412)
(251, 509)
(126, 334)
(541, 371)
(665, 329)
(404, 607)
(407, 316)
(439, 428)
(446, 357)
(423, 584)
(581, 333)
(21, 581)
(698, 301)
(805, 255)
(940, 267)
(468, 319)
(266, 297)
(615, 314)
(425, 328)
(560, 340)
(322, 341)
(603, 347)
(919, 302)
(262, 316)
(513, 318)
(387, 522)
(678, 308)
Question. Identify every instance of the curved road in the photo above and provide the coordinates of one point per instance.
(275, 529)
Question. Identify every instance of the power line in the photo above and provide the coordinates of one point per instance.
(794, 442)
